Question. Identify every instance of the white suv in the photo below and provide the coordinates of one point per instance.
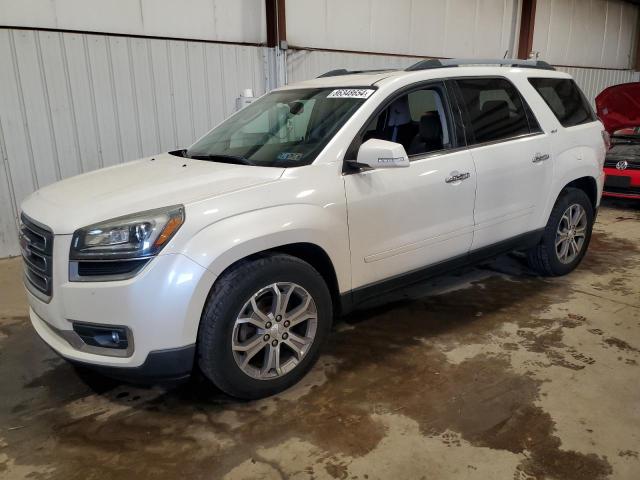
(235, 254)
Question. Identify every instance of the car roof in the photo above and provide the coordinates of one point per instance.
(351, 80)
(380, 77)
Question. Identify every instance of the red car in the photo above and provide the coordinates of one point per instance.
(619, 109)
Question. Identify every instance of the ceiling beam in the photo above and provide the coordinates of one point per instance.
(636, 63)
(276, 22)
(527, 24)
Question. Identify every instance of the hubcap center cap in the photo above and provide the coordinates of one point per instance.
(276, 331)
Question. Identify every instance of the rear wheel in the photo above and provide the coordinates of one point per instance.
(566, 235)
(263, 326)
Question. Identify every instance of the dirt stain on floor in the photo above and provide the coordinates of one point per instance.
(389, 360)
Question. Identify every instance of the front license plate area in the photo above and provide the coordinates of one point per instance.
(617, 181)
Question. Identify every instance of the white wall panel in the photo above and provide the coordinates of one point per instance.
(446, 28)
(586, 33)
(307, 64)
(224, 20)
(71, 103)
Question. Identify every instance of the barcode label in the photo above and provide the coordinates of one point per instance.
(351, 93)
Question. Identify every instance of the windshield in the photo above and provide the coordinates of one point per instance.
(287, 128)
(627, 133)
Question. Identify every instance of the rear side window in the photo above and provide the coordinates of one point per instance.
(565, 100)
(495, 110)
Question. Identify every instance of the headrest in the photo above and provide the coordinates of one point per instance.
(399, 113)
(496, 109)
(431, 127)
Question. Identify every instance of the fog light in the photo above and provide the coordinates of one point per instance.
(105, 336)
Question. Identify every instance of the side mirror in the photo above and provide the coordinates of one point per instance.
(375, 153)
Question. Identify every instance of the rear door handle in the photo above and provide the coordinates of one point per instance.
(540, 157)
(457, 177)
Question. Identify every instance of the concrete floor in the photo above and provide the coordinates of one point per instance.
(490, 374)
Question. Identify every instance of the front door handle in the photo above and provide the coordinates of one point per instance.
(457, 177)
(540, 157)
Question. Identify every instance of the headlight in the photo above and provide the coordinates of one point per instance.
(138, 235)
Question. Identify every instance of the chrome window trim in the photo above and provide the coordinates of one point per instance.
(436, 153)
(503, 140)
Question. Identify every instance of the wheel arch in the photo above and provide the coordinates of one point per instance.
(319, 259)
(315, 235)
(588, 185)
(308, 252)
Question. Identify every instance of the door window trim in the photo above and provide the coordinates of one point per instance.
(462, 135)
(454, 122)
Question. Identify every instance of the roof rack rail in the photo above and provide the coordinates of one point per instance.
(344, 71)
(459, 62)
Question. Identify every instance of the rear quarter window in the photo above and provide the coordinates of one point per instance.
(565, 100)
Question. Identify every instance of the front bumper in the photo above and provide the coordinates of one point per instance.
(622, 183)
(160, 307)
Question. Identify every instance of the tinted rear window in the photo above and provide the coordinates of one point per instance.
(565, 100)
(495, 109)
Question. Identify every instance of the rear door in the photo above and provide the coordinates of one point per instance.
(512, 157)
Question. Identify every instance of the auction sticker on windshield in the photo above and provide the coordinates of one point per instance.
(351, 93)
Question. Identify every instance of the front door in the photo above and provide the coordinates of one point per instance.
(403, 219)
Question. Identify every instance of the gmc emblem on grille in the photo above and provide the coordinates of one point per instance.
(622, 165)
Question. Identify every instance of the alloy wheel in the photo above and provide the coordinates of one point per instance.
(274, 330)
(571, 233)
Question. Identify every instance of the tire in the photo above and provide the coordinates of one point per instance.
(231, 322)
(548, 260)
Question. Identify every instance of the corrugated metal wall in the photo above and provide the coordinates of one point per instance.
(241, 21)
(71, 103)
(446, 28)
(592, 80)
(306, 64)
(586, 33)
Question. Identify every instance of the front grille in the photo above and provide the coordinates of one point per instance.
(36, 243)
(623, 190)
(613, 163)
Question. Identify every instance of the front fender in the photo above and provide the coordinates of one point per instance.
(226, 241)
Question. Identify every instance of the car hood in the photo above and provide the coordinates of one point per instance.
(619, 106)
(629, 151)
(136, 186)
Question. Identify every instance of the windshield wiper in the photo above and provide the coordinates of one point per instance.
(222, 158)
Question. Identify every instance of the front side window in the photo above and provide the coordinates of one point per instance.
(418, 120)
(565, 100)
(286, 128)
(495, 110)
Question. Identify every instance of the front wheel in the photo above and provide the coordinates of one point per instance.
(566, 235)
(263, 326)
